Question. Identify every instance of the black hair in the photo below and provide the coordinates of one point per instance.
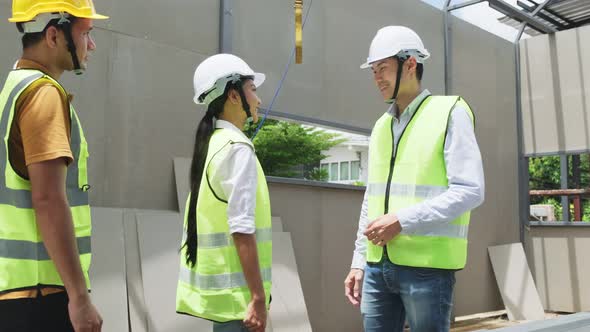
(203, 136)
(32, 39)
(419, 71)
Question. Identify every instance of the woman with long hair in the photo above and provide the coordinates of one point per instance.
(226, 255)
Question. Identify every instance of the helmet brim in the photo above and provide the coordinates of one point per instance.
(32, 17)
(95, 17)
(368, 63)
(259, 78)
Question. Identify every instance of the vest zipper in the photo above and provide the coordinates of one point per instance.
(391, 163)
(394, 154)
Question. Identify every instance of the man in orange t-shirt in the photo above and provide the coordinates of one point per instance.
(56, 38)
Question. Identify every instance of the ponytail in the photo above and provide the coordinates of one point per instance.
(203, 136)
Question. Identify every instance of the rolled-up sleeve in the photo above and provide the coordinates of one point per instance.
(237, 177)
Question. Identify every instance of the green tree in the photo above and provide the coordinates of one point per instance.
(544, 173)
(291, 150)
(319, 174)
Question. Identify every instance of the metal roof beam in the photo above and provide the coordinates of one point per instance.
(521, 16)
(580, 23)
(464, 4)
(535, 12)
(554, 13)
(545, 17)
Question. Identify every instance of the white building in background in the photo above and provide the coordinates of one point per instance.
(347, 162)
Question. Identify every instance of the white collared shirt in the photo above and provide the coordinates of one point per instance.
(235, 181)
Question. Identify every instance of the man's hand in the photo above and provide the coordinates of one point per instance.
(383, 229)
(84, 316)
(353, 286)
(256, 315)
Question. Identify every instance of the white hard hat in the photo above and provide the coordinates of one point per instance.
(396, 40)
(213, 74)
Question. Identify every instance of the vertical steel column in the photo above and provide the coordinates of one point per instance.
(523, 161)
(565, 202)
(447, 39)
(226, 26)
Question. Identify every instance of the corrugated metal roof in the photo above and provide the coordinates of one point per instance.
(574, 10)
(560, 14)
(516, 24)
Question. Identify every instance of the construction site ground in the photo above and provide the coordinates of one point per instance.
(490, 321)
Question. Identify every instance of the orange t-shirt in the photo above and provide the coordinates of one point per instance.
(40, 132)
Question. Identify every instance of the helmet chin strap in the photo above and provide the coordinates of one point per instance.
(245, 104)
(400, 67)
(66, 25)
(235, 79)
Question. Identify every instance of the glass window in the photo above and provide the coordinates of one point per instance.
(355, 169)
(334, 172)
(344, 168)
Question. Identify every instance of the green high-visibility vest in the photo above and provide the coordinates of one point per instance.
(24, 261)
(215, 288)
(416, 172)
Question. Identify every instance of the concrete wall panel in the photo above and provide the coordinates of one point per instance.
(556, 257)
(138, 114)
(484, 75)
(555, 92)
(189, 25)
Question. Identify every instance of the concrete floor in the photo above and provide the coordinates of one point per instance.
(488, 321)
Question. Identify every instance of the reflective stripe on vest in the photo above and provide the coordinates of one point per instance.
(215, 288)
(415, 173)
(219, 281)
(24, 261)
(401, 189)
(17, 249)
(217, 240)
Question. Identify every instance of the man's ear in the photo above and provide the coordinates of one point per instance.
(51, 36)
(411, 65)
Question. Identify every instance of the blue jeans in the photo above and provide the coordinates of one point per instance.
(392, 293)
(233, 326)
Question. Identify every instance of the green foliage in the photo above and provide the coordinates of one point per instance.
(544, 173)
(318, 174)
(282, 146)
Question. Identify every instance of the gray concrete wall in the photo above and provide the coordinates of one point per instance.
(483, 72)
(556, 92)
(557, 258)
(10, 36)
(323, 224)
(135, 100)
(329, 85)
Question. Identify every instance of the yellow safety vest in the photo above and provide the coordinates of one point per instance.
(215, 288)
(24, 262)
(416, 172)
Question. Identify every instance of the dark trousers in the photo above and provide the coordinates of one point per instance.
(41, 314)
